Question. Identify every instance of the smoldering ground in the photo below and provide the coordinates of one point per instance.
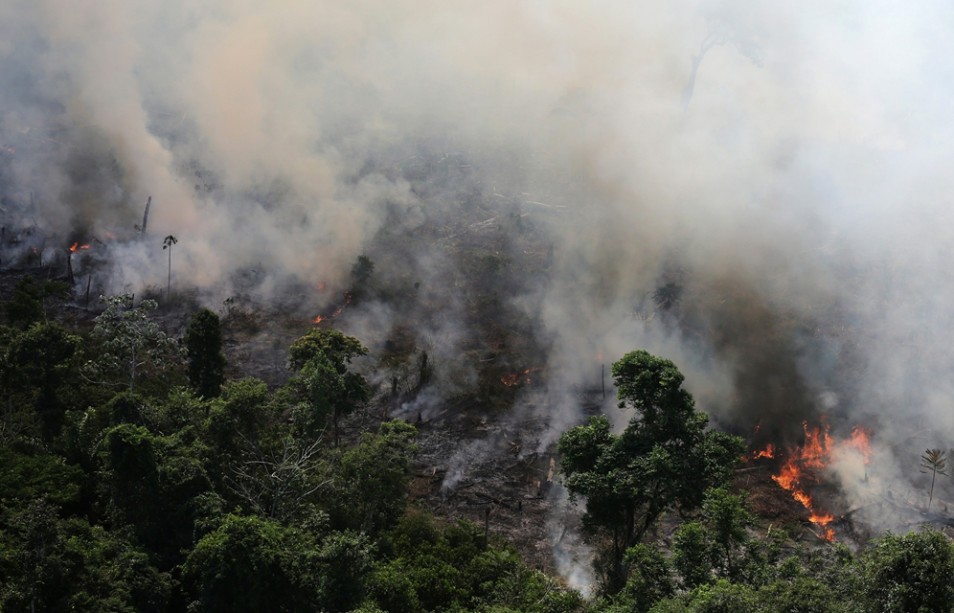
(757, 191)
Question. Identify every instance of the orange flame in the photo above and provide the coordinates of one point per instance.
(514, 379)
(803, 498)
(320, 318)
(815, 453)
(768, 452)
(789, 476)
(76, 246)
(861, 440)
(822, 520)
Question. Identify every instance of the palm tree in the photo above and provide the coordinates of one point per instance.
(933, 461)
(167, 243)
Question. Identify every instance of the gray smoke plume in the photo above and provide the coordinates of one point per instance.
(755, 190)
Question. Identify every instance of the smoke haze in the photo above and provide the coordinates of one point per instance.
(756, 190)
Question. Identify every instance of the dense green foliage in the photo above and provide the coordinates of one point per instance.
(124, 489)
(130, 344)
(128, 484)
(664, 459)
(203, 340)
(328, 389)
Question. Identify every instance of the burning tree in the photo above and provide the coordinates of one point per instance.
(664, 459)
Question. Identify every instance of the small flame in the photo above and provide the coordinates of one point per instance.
(516, 378)
(76, 246)
(804, 499)
(861, 441)
(768, 452)
(822, 520)
(320, 318)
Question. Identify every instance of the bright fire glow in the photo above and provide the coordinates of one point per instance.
(76, 246)
(768, 452)
(320, 318)
(803, 463)
(861, 440)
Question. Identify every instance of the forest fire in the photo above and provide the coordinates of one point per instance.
(768, 452)
(76, 247)
(516, 378)
(804, 464)
(334, 314)
(861, 441)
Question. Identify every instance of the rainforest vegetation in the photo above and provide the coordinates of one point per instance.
(136, 476)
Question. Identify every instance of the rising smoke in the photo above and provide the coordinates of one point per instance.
(755, 189)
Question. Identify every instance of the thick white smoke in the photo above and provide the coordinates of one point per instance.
(781, 167)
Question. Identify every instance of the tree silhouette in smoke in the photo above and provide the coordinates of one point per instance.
(167, 243)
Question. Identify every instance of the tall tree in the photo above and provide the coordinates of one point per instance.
(367, 484)
(39, 367)
(934, 462)
(203, 341)
(664, 459)
(27, 305)
(130, 340)
(243, 566)
(323, 358)
(167, 243)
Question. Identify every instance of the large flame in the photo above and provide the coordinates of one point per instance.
(803, 465)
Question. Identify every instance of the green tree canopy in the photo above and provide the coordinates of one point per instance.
(368, 483)
(914, 572)
(26, 306)
(339, 348)
(242, 566)
(130, 342)
(324, 381)
(664, 459)
(39, 366)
